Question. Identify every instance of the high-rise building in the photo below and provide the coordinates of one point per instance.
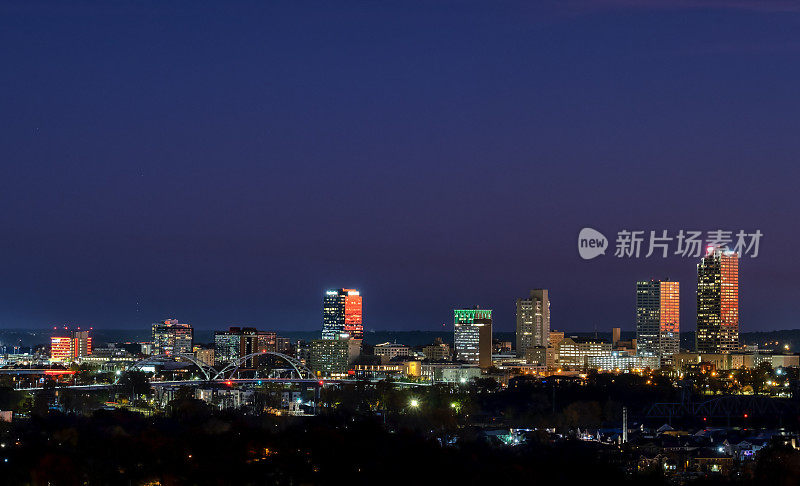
(342, 314)
(329, 357)
(533, 321)
(718, 302)
(473, 336)
(64, 348)
(172, 337)
(239, 342)
(658, 319)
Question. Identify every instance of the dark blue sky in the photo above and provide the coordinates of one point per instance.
(225, 162)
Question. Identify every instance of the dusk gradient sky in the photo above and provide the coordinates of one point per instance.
(226, 162)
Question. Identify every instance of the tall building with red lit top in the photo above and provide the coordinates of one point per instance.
(342, 314)
(718, 302)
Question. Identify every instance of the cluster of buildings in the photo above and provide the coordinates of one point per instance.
(657, 341)
(341, 353)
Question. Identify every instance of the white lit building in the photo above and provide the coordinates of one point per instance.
(617, 360)
(387, 351)
(572, 352)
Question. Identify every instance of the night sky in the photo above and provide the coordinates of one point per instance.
(226, 162)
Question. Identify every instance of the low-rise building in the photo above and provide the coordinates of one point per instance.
(735, 361)
(536, 355)
(438, 351)
(619, 360)
(397, 369)
(204, 355)
(388, 351)
(572, 352)
(462, 374)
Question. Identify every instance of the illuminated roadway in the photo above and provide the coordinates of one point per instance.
(232, 381)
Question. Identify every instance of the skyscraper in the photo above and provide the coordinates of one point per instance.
(473, 336)
(172, 337)
(342, 314)
(657, 319)
(718, 302)
(533, 321)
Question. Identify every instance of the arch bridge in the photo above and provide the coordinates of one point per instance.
(212, 374)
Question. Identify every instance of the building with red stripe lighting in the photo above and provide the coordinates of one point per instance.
(65, 348)
(342, 314)
(658, 319)
(718, 302)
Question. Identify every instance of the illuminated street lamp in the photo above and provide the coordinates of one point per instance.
(414, 403)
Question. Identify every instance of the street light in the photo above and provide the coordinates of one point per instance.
(414, 403)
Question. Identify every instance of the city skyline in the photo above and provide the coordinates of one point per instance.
(342, 310)
(296, 242)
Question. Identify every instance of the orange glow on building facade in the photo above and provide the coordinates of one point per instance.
(60, 348)
(718, 302)
(658, 319)
(342, 313)
(65, 348)
(670, 307)
(729, 301)
(352, 314)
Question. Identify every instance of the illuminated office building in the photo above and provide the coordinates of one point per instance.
(172, 337)
(60, 348)
(329, 357)
(342, 314)
(74, 345)
(240, 342)
(657, 319)
(533, 321)
(718, 302)
(473, 336)
(573, 352)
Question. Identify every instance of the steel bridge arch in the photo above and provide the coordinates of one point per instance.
(303, 372)
(204, 368)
